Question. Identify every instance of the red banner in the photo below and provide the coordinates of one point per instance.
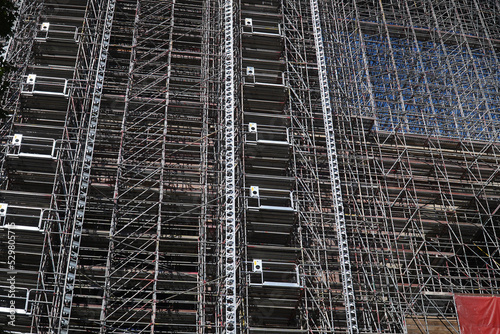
(478, 314)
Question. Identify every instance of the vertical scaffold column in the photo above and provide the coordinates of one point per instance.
(338, 206)
(230, 189)
(66, 296)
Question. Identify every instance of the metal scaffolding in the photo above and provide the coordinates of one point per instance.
(249, 166)
(418, 132)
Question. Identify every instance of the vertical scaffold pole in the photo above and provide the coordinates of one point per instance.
(338, 206)
(230, 189)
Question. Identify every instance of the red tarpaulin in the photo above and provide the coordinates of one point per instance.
(478, 315)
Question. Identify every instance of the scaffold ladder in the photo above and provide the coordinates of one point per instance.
(338, 206)
(230, 187)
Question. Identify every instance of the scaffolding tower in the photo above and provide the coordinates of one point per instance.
(249, 166)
